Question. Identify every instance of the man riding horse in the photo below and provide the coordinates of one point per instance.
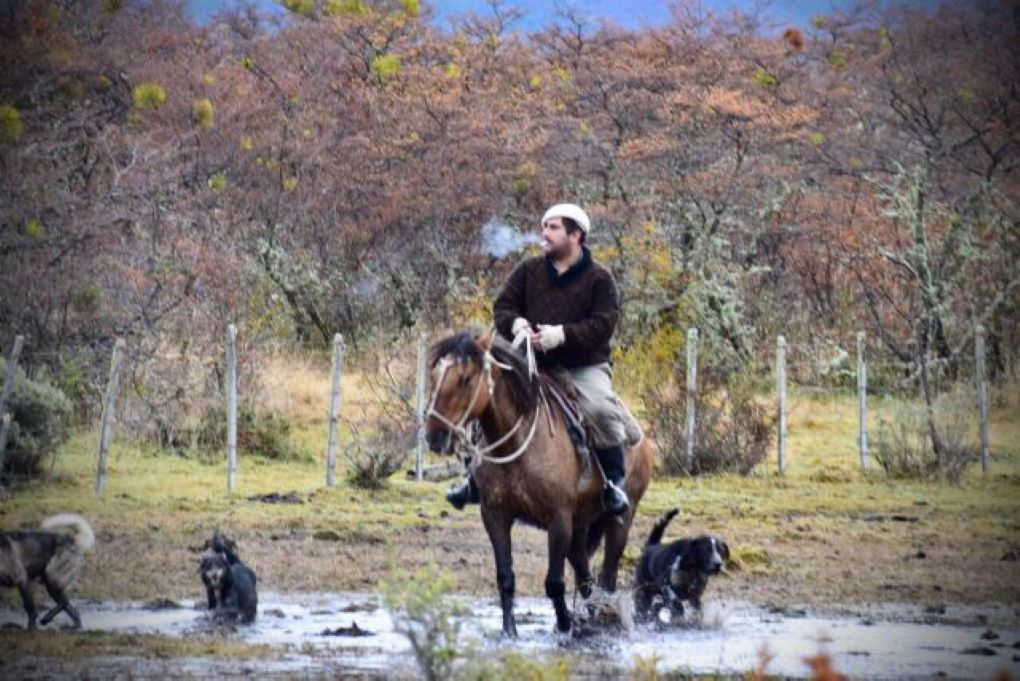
(568, 305)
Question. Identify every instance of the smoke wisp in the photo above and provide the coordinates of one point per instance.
(500, 239)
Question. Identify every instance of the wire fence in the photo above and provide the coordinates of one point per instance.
(799, 370)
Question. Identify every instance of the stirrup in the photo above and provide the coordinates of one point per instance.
(614, 499)
(462, 495)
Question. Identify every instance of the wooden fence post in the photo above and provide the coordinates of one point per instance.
(982, 386)
(5, 425)
(692, 382)
(334, 409)
(862, 400)
(419, 458)
(781, 385)
(109, 407)
(231, 407)
(12, 367)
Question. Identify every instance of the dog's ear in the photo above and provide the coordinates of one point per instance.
(222, 543)
(724, 549)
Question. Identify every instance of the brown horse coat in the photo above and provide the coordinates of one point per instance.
(546, 485)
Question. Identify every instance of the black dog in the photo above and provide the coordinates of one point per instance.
(669, 574)
(229, 583)
(53, 555)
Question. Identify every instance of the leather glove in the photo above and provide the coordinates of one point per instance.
(550, 337)
(520, 324)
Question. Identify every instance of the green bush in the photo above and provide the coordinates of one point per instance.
(11, 126)
(423, 611)
(260, 433)
(40, 422)
(148, 95)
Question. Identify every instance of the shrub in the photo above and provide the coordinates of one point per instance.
(72, 378)
(260, 433)
(40, 421)
(204, 113)
(148, 95)
(385, 67)
(904, 448)
(423, 612)
(302, 7)
(510, 664)
(11, 126)
(732, 430)
(372, 460)
(340, 7)
(390, 415)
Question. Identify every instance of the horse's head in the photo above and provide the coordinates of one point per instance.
(461, 387)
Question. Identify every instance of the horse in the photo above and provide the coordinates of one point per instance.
(529, 470)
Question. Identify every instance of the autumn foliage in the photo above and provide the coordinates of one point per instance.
(332, 171)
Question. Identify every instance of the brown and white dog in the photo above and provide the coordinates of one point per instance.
(668, 574)
(53, 555)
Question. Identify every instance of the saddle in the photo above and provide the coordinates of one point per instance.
(559, 388)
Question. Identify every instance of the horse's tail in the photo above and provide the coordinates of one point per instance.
(656, 536)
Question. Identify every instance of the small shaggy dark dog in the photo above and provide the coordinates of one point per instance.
(229, 583)
(669, 574)
(52, 555)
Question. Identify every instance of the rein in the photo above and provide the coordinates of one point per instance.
(459, 429)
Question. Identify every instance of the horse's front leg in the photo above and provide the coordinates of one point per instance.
(498, 527)
(560, 531)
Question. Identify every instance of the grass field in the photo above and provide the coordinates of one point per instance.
(822, 534)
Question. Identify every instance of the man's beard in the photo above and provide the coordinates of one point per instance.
(559, 251)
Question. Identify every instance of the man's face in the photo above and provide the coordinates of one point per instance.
(555, 240)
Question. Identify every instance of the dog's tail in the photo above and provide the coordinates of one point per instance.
(656, 536)
(84, 538)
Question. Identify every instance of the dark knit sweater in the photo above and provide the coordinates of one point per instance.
(583, 299)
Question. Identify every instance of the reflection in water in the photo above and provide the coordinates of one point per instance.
(349, 633)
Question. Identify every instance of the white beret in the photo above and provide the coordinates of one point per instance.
(569, 210)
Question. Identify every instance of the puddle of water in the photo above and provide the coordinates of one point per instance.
(866, 647)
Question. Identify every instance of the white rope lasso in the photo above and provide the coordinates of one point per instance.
(524, 336)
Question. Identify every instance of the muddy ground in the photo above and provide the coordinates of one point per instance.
(874, 558)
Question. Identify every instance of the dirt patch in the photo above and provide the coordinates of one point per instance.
(845, 563)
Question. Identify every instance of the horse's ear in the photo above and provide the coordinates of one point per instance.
(484, 341)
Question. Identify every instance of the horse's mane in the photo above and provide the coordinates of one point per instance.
(523, 388)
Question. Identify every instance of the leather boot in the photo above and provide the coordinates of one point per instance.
(463, 494)
(614, 499)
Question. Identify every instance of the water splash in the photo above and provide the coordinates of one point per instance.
(500, 239)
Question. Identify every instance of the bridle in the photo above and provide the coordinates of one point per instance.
(459, 428)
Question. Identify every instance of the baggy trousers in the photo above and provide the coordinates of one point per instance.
(611, 423)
